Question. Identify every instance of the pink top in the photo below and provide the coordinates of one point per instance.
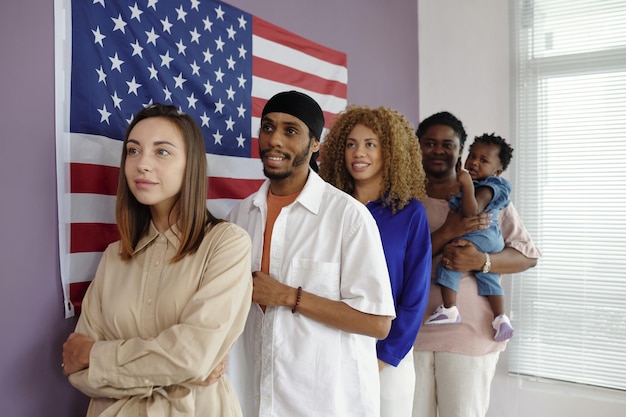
(474, 335)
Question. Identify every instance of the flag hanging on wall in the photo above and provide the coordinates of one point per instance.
(211, 60)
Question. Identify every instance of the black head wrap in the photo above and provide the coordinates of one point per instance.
(298, 105)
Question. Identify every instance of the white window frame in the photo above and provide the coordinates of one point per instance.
(569, 312)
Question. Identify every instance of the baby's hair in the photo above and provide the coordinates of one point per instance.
(506, 151)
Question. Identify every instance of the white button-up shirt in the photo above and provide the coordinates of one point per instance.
(287, 364)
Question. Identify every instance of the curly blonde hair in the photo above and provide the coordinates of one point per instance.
(403, 175)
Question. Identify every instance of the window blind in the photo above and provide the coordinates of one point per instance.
(569, 312)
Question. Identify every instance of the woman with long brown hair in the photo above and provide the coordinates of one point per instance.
(169, 298)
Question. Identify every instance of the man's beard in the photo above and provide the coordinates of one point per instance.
(300, 159)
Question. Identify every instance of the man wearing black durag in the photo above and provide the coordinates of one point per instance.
(321, 292)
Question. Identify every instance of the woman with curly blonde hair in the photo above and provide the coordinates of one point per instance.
(374, 155)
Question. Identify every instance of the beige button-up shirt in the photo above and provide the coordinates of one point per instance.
(160, 326)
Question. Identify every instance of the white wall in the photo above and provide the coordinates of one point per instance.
(465, 67)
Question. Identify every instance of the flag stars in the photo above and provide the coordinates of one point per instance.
(207, 56)
(241, 111)
(152, 37)
(242, 22)
(231, 32)
(179, 81)
(195, 68)
(242, 81)
(208, 25)
(102, 77)
(166, 59)
(116, 63)
(154, 73)
(195, 36)
(219, 75)
(217, 136)
(220, 13)
(98, 37)
(104, 114)
(135, 13)
(216, 68)
(241, 141)
(99, 1)
(119, 24)
(168, 94)
(242, 52)
(133, 86)
(116, 101)
(205, 119)
(208, 88)
(137, 49)
(219, 44)
(167, 25)
(181, 47)
(181, 14)
(231, 63)
(191, 101)
(230, 123)
(231, 93)
(219, 107)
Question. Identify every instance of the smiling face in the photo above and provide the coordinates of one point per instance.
(441, 149)
(155, 163)
(285, 148)
(483, 160)
(364, 156)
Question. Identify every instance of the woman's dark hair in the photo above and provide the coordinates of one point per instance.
(192, 215)
(443, 118)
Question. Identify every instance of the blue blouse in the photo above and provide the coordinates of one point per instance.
(406, 241)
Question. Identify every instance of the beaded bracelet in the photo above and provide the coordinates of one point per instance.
(294, 310)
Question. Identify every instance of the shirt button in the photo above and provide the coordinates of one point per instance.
(157, 263)
(149, 301)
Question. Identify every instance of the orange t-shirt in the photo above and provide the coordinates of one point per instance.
(275, 204)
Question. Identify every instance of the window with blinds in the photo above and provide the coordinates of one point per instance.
(569, 312)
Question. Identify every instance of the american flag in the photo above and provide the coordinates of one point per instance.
(211, 60)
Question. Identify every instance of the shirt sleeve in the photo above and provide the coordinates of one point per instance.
(515, 234)
(501, 192)
(188, 351)
(90, 324)
(365, 284)
(412, 297)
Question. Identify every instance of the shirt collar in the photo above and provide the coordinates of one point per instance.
(170, 234)
(309, 197)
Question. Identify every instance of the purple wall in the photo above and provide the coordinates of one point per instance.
(374, 34)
